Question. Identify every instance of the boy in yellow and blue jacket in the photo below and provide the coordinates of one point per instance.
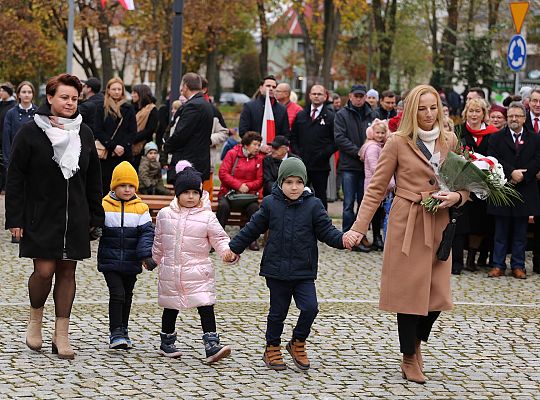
(126, 243)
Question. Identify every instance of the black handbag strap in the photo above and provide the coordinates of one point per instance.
(234, 165)
(421, 145)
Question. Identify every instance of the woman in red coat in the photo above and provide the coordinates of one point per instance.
(242, 172)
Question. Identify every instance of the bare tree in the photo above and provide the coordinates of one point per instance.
(385, 25)
(263, 55)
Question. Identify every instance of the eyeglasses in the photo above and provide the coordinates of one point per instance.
(515, 116)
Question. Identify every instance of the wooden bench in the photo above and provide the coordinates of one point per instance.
(157, 202)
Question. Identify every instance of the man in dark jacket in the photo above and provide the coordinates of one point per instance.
(191, 137)
(387, 106)
(518, 151)
(93, 99)
(7, 102)
(350, 124)
(271, 163)
(251, 118)
(313, 138)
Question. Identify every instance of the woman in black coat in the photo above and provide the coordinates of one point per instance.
(115, 127)
(474, 223)
(53, 204)
(147, 120)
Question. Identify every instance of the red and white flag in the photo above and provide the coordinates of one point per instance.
(268, 125)
(127, 4)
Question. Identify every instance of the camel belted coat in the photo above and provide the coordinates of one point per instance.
(413, 280)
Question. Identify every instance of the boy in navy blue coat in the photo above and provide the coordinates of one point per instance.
(295, 219)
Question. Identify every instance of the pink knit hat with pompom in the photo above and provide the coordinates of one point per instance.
(182, 164)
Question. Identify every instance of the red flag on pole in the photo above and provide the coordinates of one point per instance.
(268, 125)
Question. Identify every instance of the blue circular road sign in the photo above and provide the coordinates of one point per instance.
(517, 53)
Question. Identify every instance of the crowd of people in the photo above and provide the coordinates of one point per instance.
(87, 154)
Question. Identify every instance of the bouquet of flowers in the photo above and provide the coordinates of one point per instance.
(483, 176)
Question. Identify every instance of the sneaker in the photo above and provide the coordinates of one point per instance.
(273, 358)
(117, 340)
(214, 350)
(128, 340)
(167, 348)
(297, 349)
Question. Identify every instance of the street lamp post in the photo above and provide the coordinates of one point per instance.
(178, 20)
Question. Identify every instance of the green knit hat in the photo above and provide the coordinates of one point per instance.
(292, 166)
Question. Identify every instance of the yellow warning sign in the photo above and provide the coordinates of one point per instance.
(519, 11)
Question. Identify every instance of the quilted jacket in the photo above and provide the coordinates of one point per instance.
(184, 237)
(127, 236)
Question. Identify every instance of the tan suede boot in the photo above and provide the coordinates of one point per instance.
(34, 340)
(273, 358)
(60, 341)
(411, 370)
(418, 353)
(297, 350)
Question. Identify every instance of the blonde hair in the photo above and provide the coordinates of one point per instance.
(111, 106)
(448, 121)
(377, 122)
(409, 121)
(176, 104)
(478, 103)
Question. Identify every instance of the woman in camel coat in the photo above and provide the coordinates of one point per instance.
(414, 283)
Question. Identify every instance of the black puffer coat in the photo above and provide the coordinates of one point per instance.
(291, 252)
(55, 213)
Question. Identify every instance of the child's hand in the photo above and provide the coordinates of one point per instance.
(230, 257)
(351, 239)
(149, 264)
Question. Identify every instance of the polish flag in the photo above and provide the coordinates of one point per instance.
(127, 4)
(268, 125)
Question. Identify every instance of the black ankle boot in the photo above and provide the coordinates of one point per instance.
(378, 243)
(482, 259)
(470, 264)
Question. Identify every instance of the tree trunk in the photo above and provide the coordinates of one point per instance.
(493, 13)
(104, 40)
(449, 42)
(385, 27)
(263, 55)
(212, 71)
(332, 21)
(312, 58)
(470, 18)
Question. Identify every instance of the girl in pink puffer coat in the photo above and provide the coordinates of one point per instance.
(185, 233)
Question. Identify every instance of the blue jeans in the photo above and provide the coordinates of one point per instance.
(353, 190)
(515, 229)
(281, 294)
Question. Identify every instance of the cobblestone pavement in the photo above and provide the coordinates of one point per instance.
(488, 347)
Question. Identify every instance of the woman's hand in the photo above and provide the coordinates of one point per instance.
(17, 232)
(351, 239)
(448, 199)
(243, 188)
(119, 150)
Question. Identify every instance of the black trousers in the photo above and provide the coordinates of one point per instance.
(412, 327)
(376, 222)
(281, 294)
(208, 319)
(120, 297)
(319, 182)
(224, 210)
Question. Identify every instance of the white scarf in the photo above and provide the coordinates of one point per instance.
(429, 137)
(65, 141)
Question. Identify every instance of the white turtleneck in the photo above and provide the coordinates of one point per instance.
(429, 137)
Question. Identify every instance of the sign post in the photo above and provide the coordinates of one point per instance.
(517, 48)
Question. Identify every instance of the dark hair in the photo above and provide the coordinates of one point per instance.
(204, 83)
(193, 81)
(477, 90)
(20, 86)
(506, 102)
(249, 137)
(63, 79)
(145, 95)
(387, 93)
(268, 77)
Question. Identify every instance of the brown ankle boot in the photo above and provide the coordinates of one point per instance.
(411, 370)
(273, 358)
(60, 341)
(418, 353)
(34, 339)
(297, 349)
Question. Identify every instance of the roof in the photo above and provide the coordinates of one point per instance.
(287, 24)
